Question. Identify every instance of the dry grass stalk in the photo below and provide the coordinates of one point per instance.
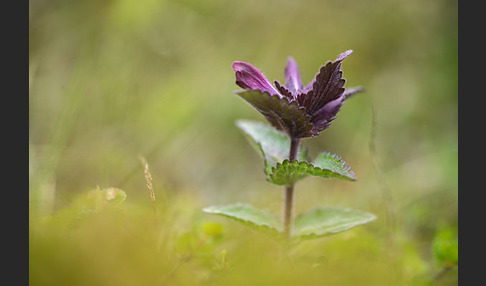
(148, 179)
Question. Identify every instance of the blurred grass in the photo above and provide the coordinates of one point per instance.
(114, 80)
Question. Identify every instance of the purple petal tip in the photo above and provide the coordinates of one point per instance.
(344, 55)
(249, 77)
(237, 65)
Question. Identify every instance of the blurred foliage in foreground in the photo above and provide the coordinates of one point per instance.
(113, 80)
(101, 240)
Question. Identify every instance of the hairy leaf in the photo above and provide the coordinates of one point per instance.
(326, 165)
(272, 144)
(326, 221)
(328, 86)
(259, 219)
(280, 112)
(333, 163)
(287, 173)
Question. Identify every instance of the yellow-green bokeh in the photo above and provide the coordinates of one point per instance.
(110, 81)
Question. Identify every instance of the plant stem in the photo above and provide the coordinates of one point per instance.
(289, 191)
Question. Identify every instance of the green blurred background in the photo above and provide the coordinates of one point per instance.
(110, 81)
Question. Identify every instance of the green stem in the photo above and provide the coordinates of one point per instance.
(289, 191)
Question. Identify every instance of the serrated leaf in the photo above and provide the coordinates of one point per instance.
(273, 145)
(280, 112)
(326, 221)
(333, 163)
(262, 220)
(287, 173)
(326, 165)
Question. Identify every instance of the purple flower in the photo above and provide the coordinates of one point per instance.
(301, 111)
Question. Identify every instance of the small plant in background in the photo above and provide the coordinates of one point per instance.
(295, 112)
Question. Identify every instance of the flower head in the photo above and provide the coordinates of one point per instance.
(301, 111)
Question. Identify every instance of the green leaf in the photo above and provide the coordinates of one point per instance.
(273, 145)
(334, 164)
(326, 165)
(287, 173)
(259, 219)
(326, 221)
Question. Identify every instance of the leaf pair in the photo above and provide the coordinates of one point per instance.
(273, 145)
(316, 223)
